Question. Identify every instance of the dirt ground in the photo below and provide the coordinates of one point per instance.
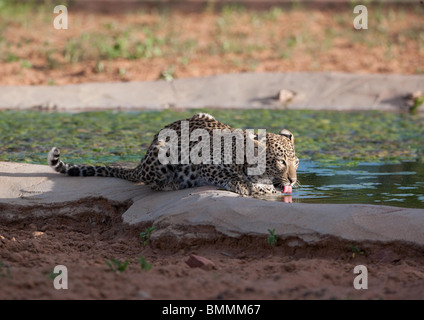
(246, 268)
(148, 46)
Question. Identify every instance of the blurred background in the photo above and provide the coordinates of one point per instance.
(133, 40)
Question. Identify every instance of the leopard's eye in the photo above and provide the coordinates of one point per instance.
(282, 162)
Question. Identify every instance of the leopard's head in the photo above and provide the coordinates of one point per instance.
(281, 163)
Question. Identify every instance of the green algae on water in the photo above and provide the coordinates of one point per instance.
(123, 137)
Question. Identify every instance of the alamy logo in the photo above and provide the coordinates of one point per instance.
(361, 280)
(360, 21)
(61, 20)
(249, 148)
(61, 280)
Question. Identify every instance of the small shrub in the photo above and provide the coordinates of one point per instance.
(145, 235)
(272, 238)
(117, 265)
(144, 264)
(4, 270)
(355, 250)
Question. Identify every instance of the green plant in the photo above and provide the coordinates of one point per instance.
(418, 101)
(144, 264)
(272, 238)
(50, 274)
(26, 64)
(184, 61)
(145, 235)
(10, 57)
(51, 62)
(149, 48)
(356, 250)
(168, 74)
(272, 14)
(4, 270)
(122, 71)
(100, 67)
(78, 48)
(117, 265)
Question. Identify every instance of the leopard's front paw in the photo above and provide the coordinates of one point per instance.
(263, 189)
(239, 187)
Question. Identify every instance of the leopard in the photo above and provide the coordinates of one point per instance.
(278, 170)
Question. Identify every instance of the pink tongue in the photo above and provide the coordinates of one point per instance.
(287, 189)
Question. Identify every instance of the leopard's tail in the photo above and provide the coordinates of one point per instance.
(83, 170)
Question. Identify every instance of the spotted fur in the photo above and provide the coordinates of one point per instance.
(281, 165)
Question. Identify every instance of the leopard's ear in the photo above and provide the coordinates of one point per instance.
(255, 138)
(287, 134)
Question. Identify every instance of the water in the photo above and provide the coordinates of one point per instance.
(400, 185)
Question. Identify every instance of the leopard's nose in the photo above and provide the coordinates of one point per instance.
(292, 180)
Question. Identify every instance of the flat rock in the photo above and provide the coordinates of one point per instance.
(316, 91)
(35, 190)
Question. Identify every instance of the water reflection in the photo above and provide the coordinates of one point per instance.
(372, 183)
(287, 199)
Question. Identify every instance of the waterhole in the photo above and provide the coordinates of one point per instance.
(400, 184)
